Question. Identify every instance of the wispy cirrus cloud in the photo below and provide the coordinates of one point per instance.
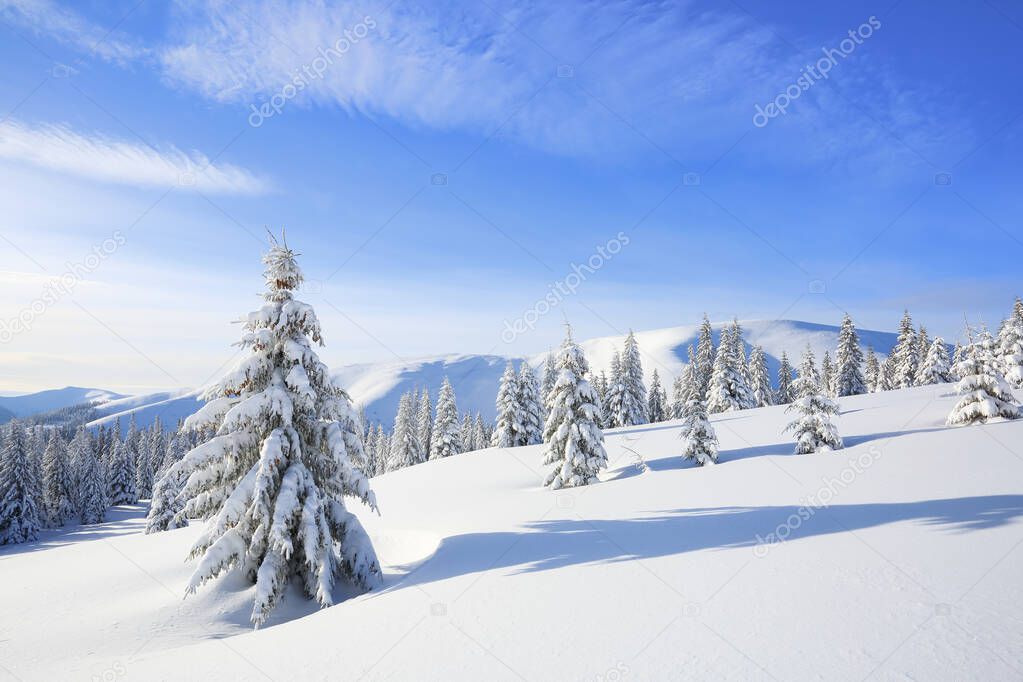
(105, 159)
(60, 23)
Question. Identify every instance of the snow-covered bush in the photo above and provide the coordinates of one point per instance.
(699, 440)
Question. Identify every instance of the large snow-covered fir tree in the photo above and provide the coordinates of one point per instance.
(20, 519)
(573, 442)
(508, 432)
(446, 438)
(121, 488)
(982, 389)
(728, 390)
(1010, 346)
(404, 446)
(784, 393)
(935, 368)
(904, 356)
(760, 378)
(634, 400)
(813, 428)
(273, 480)
(700, 443)
(531, 407)
(849, 378)
(657, 400)
(705, 356)
(58, 483)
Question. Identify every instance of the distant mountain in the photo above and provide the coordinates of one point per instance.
(379, 386)
(54, 399)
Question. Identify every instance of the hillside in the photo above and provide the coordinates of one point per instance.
(379, 386)
(909, 572)
(54, 399)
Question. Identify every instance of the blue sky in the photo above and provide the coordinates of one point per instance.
(453, 161)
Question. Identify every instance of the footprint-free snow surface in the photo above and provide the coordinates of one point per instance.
(896, 558)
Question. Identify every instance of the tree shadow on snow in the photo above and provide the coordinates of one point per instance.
(121, 520)
(547, 545)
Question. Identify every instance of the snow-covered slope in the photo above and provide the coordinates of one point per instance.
(911, 571)
(379, 386)
(54, 399)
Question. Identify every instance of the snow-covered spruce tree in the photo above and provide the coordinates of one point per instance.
(827, 374)
(58, 484)
(1010, 346)
(142, 471)
(531, 406)
(813, 429)
(404, 449)
(600, 386)
(272, 482)
(121, 488)
(923, 346)
(656, 400)
(728, 390)
(424, 425)
(165, 510)
(574, 443)
(634, 403)
(678, 394)
(784, 392)
(699, 440)
(550, 375)
(19, 505)
(983, 392)
(760, 379)
(872, 372)
(935, 368)
(508, 433)
(465, 433)
(849, 378)
(383, 451)
(905, 354)
(481, 435)
(371, 448)
(446, 439)
(614, 403)
(886, 380)
(705, 356)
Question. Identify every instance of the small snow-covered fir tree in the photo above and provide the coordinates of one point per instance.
(273, 480)
(923, 346)
(482, 436)
(935, 368)
(142, 474)
(685, 386)
(905, 356)
(600, 386)
(165, 512)
(19, 505)
(983, 392)
(122, 478)
(509, 429)
(550, 375)
(760, 379)
(58, 483)
(813, 428)
(849, 378)
(872, 372)
(383, 451)
(634, 401)
(574, 443)
(728, 389)
(530, 406)
(92, 482)
(886, 380)
(656, 400)
(705, 356)
(827, 374)
(446, 439)
(700, 443)
(404, 450)
(614, 403)
(465, 434)
(424, 425)
(784, 393)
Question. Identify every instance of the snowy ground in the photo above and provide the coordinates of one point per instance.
(911, 572)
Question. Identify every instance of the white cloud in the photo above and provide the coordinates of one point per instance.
(104, 159)
(64, 25)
